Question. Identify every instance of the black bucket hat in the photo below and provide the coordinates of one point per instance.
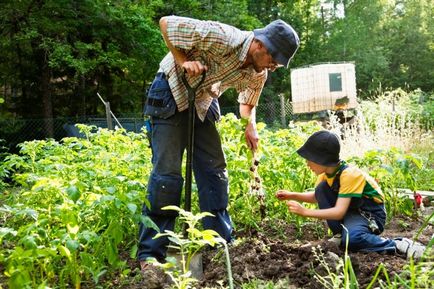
(280, 39)
(322, 147)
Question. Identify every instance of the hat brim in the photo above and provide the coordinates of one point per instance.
(274, 52)
(306, 154)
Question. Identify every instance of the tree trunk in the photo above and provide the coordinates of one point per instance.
(44, 88)
(47, 105)
(78, 99)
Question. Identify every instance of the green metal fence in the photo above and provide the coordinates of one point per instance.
(17, 130)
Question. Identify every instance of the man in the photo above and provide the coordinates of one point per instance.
(230, 58)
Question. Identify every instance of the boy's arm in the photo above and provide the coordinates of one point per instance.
(336, 213)
(307, 197)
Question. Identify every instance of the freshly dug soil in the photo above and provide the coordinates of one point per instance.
(281, 253)
(268, 256)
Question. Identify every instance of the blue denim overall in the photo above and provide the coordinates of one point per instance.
(168, 143)
(359, 235)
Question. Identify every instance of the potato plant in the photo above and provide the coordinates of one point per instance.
(69, 208)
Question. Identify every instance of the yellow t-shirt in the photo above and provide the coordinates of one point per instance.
(354, 183)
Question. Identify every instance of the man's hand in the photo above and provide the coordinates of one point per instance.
(296, 208)
(194, 68)
(283, 195)
(251, 135)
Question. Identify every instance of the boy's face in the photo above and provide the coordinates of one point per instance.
(316, 168)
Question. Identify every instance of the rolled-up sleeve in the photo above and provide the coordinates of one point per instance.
(252, 93)
(186, 33)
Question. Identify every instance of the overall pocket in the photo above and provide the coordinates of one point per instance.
(160, 102)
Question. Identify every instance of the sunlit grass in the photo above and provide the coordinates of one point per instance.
(388, 122)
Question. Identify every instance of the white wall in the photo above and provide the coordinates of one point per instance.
(310, 87)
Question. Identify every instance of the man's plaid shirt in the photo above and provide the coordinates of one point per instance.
(223, 49)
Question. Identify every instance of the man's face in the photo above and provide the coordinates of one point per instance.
(263, 60)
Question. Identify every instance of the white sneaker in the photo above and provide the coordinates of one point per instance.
(337, 239)
(409, 248)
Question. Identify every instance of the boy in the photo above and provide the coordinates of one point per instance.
(347, 197)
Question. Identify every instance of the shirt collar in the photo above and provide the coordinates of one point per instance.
(246, 46)
(339, 168)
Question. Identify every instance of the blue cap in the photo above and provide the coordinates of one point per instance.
(280, 39)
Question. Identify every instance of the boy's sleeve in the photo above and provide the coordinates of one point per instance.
(187, 33)
(352, 183)
(252, 93)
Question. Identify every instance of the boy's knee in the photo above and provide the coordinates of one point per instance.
(355, 239)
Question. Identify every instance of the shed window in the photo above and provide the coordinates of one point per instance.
(335, 81)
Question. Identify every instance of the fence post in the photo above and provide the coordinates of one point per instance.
(282, 110)
(108, 115)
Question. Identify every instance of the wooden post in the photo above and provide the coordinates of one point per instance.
(108, 115)
(282, 110)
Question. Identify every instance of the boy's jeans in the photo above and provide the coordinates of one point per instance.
(168, 142)
(360, 237)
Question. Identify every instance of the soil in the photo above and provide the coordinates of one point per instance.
(268, 256)
(281, 253)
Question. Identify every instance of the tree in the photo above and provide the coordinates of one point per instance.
(64, 49)
(411, 38)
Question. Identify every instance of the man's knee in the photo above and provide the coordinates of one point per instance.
(215, 196)
(164, 191)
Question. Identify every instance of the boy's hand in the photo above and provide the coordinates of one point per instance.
(295, 208)
(283, 195)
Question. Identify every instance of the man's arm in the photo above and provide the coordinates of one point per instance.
(193, 68)
(249, 112)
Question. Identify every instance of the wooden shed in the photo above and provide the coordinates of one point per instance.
(325, 86)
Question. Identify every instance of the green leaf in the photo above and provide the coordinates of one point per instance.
(72, 229)
(147, 222)
(65, 252)
(29, 242)
(6, 231)
(73, 193)
(72, 245)
(132, 207)
(133, 251)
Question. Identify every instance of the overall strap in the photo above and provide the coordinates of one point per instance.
(337, 180)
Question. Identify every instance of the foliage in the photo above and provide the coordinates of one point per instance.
(77, 201)
(73, 49)
(286, 171)
(70, 207)
(188, 246)
(58, 54)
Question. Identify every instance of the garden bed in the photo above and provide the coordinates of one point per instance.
(275, 255)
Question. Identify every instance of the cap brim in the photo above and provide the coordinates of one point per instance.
(274, 52)
(304, 153)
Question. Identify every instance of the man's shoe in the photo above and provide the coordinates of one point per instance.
(154, 276)
(409, 248)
